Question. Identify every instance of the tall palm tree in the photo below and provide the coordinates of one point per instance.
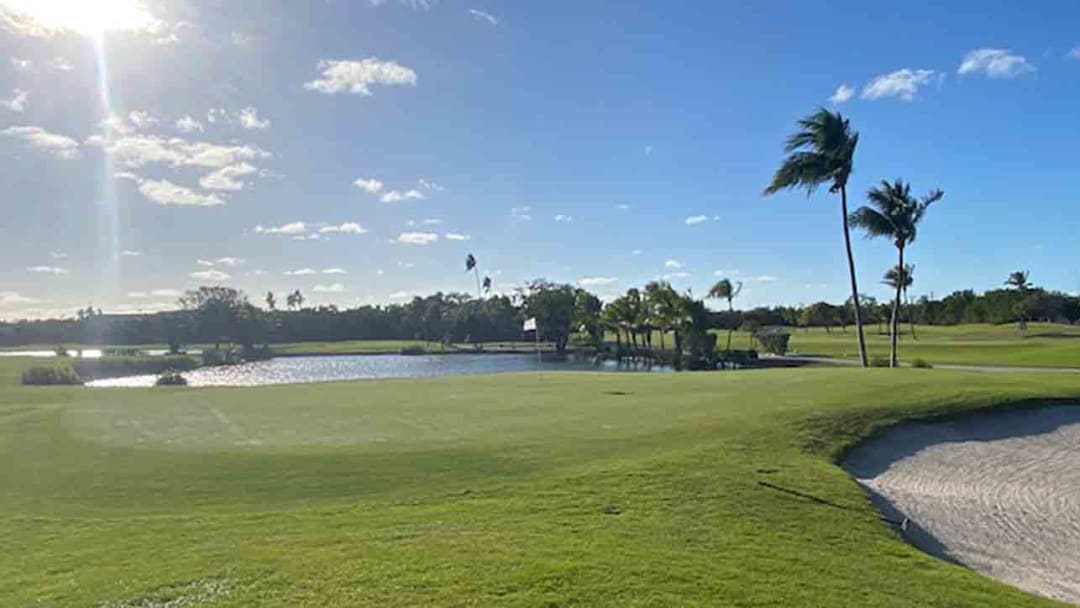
(1019, 280)
(725, 290)
(822, 151)
(894, 213)
(902, 278)
(470, 266)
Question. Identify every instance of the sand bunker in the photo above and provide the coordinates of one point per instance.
(999, 493)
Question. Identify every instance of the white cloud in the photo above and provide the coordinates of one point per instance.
(164, 192)
(675, 275)
(400, 295)
(166, 293)
(1074, 53)
(290, 228)
(453, 236)
(696, 219)
(597, 281)
(249, 119)
(303, 272)
(17, 101)
(187, 124)
(396, 196)
(41, 18)
(426, 185)
(521, 213)
(479, 14)
(130, 253)
(417, 238)
(332, 288)
(231, 262)
(142, 120)
(204, 262)
(339, 76)
(564, 218)
(371, 186)
(136, 151)
(7, 298)
(227, 178)
(58, 255)
(431, 221)
(138, 294)
(672, 264)
(413, 4)
(37, 138)
(20, 64)
(344, 228)
(47, 270)
(843, 93)
(903, 83)
(995, 63)
(210, 275)
(334, 271)
(61, 65)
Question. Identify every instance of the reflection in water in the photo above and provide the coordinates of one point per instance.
(288, 370)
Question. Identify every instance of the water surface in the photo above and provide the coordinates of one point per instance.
(290, 370)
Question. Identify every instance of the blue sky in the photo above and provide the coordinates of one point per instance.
(358, 151)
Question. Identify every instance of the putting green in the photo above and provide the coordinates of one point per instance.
(583, 489)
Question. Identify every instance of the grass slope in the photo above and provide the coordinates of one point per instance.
(583, 490)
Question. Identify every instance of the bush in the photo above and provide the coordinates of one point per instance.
(773, 341)
(921, 364)
(737, 358)
(213, 357)
(114, 367)
(171, 378)
(50, 376)
(413, 350)
(879, 361)
(121, 352)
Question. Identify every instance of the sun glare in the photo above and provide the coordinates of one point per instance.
(90, 18)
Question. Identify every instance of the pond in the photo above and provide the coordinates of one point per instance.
(290, 370)
(86, 353)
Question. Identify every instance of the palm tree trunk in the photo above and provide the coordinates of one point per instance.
(662, 332)
(854, 282)
(894, 324)
(731, 309)
(476, 270)
(910, 315)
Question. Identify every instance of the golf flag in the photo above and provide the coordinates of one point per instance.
(530, 324)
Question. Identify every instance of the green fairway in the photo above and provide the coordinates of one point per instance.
(585, 489)
(1040, 345)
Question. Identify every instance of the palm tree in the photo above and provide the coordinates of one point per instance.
(823, 152)
(487, 285)
(470, 265)
(1019, 280)
(271, 302)
(894, 213)
(724, 290)
(904, 278)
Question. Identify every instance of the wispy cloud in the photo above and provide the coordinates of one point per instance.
(332, 288)
(417, 238)
(453, 236)
(291, 228)
(995, 63)
(370, 185)
(216, 276)
(164, 192)
(17, 101)
(249, 119)
(228, 177)
(1074, 53)
(521, 213)
(9, 298)
(842, 94)
(672, 264)
(47, 270)
(187, 124)
(479, 14)
(334, 271)
(564, 218)
(597, 281)
(344, 228)
(903, 83)
(700, 219)
(37, 138)
(302, 272)
(349, 76)
(396, 196)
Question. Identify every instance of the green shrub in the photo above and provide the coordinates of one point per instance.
(50, 376)
(171, 378)
(921, 364)
(213, 357)
(121, 352)
(114, 367)
(413, 350)
(773, 341)
(879, 361)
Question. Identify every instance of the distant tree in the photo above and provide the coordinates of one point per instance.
(587, 309)
(552, 305)
(1019, 280)
(725, 290)
(295, 300)
(822, 151)
(271, 303)
(902, 278)
(895, 214)
(223, 314)
(487, 285)
(471, 266)
(661, 307)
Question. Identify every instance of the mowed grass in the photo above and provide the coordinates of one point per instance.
(581, 490)
(1040, 345)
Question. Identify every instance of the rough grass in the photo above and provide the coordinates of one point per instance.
(582, 490)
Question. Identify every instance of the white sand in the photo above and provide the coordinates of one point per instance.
(999, 493)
